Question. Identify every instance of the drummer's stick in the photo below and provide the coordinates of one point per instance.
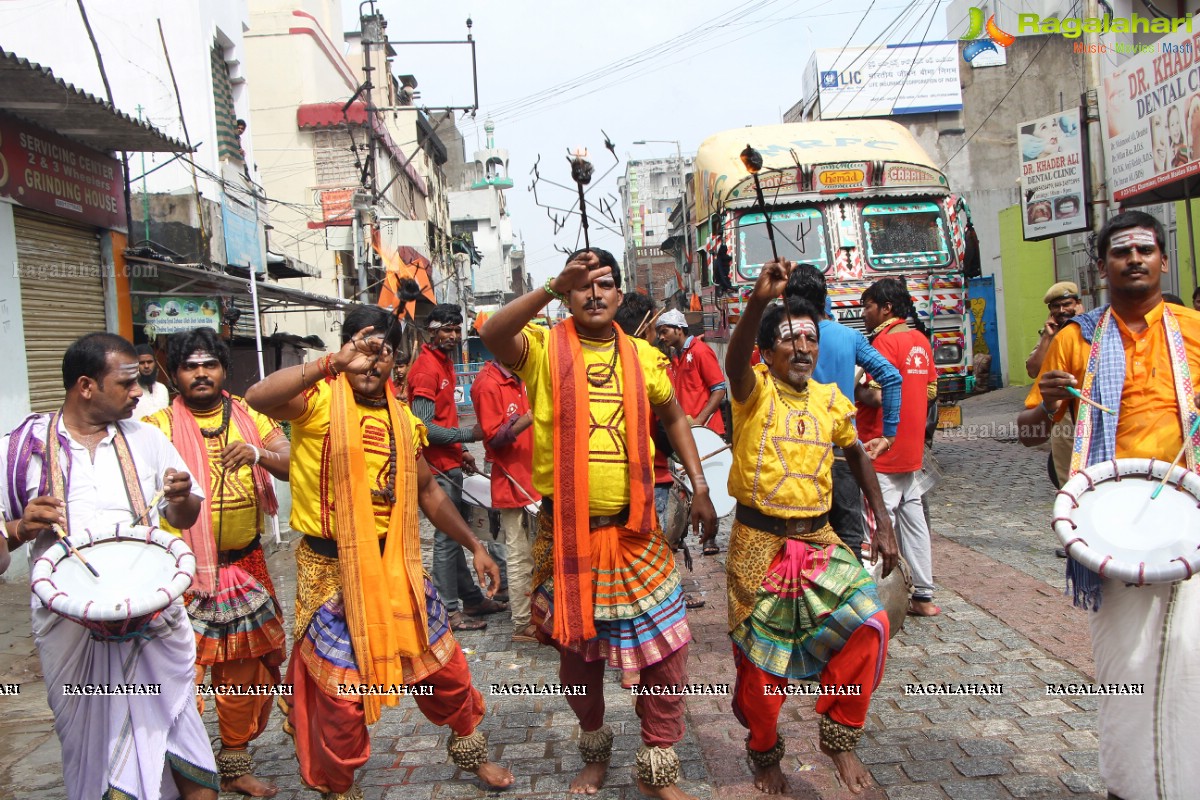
(714, 452)
(514, 482)
(458, 486)
(1187, 440)
(1079, 396)
(642, 325)
(62, 537)
(150, 506)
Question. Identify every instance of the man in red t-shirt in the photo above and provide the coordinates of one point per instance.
(695, 372)
(886, 304)
(502, 408)
(431, 383)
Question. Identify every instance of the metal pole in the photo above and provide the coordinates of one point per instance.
(1096, 144)
(683, 212)
(262, 372)
(359, 261)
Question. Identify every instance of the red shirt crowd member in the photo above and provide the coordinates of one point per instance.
(695, 372)
(886, 304)
(502, 408)
(431, 383)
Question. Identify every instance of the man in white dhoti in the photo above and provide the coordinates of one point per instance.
(89, 465)
(1140, 358)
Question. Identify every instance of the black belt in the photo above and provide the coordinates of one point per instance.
(620, 518)
(754, 518)
(328, 547)
(227, 557)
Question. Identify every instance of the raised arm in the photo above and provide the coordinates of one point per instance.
(280, 395)
(770, 284)
(502, 331)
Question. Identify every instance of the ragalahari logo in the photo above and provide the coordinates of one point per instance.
(977, 27)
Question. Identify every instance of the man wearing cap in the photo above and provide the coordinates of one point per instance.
(695, 372)
(1063, 301)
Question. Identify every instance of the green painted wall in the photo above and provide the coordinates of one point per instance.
(1028, 270)
(1183, 261)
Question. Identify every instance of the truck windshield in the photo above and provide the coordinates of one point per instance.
(799, 237)
(905, 235)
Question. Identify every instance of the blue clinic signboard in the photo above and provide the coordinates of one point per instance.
(243, 244)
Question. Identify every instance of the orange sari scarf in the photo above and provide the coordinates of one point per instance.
(573, 595)
(383, 594)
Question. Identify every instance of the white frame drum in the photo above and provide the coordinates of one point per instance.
(142, 571)
(716, 468)
(1108, 522)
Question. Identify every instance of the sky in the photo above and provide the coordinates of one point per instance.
(552, 76)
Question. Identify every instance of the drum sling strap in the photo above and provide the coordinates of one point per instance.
(59, 482)
(1096, 434)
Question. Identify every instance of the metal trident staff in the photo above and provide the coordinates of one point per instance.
(753, 161)
(581, 172)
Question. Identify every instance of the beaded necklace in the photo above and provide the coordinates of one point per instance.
(388, 493)
(226, 411)
(371, 402)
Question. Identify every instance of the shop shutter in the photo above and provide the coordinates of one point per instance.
(62, 297)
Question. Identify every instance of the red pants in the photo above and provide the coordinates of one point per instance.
(331, 733)
(661, 715)
(758, 696)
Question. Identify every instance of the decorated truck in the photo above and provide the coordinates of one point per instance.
(860, 200)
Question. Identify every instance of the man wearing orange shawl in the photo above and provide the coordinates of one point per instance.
(233, 451)
(369, 622)
(605, 586)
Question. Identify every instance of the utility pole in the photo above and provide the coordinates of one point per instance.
(1097, 150)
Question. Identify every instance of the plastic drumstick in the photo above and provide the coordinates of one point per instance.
(1186, 441)
(1076, 393)
(62, 537)
(154, 501)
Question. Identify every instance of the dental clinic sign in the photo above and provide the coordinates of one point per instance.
(1151, 114)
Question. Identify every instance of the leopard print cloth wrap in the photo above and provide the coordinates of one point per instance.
(751, 552)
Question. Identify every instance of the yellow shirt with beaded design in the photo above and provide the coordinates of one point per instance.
(311, 478)
(237, 517)
(783, 445)
(608, 460)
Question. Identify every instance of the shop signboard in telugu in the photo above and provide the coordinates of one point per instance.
(46, 172)
(884, 81)
(172, 314)
(1151, 113)
(1053, 175)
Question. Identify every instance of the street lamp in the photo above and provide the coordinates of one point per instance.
(683, 215)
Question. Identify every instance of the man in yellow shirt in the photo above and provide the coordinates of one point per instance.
(605, 587)
(801, 606)
(1140, 358)
(369, 622)
(233, 451)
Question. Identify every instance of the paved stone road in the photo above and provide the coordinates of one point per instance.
(1004, 622)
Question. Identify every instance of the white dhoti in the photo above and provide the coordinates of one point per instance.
(118, 743)
(1148, 635)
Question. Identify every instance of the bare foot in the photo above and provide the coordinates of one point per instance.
(249, 785)
(672, 792)
(850, 769)
(590, 778)
(494, 775)
(923, 608)
(770, 780)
